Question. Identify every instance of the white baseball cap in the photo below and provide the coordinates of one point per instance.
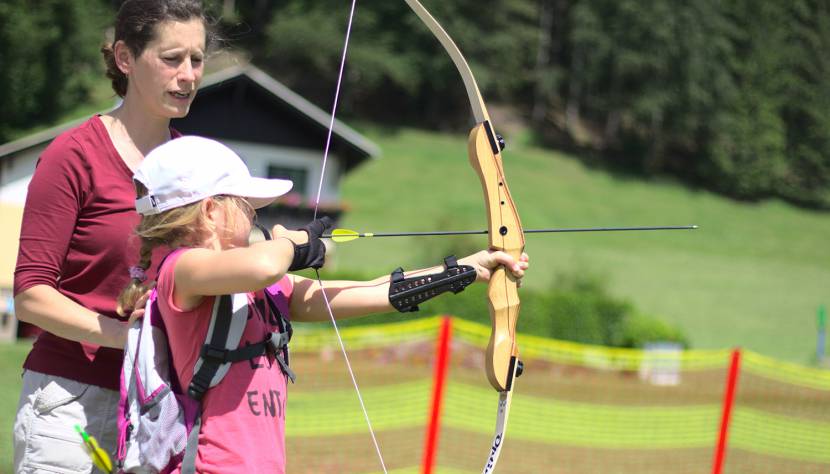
(188, 169)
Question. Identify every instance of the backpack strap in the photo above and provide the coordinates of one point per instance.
(277, 342)
(221, 349)
(280, 345)
(189, 460)
(227, 323)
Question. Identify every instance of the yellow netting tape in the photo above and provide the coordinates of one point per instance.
(778, 435)
(571, 422)
(312, 338)
(786, 372)
(598, 357)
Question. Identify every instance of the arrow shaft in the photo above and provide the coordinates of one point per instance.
(614, 229)
(531, 231)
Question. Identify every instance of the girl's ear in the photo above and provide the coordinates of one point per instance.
(124, 59)
(211, 218)
(211, 211)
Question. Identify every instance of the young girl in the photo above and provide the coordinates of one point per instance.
(197, 199)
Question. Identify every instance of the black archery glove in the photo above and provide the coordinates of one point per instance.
(311, 254)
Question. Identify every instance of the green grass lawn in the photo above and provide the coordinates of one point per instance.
(753, 275)
(11, 361)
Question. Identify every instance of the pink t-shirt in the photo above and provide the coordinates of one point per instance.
(243, 418)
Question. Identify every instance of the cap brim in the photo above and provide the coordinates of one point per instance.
(261, 192)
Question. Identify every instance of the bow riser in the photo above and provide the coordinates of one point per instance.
(505, 234)
(505, 228)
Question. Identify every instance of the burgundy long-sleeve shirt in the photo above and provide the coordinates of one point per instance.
(78, 236)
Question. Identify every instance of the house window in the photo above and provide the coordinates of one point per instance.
(297, 175)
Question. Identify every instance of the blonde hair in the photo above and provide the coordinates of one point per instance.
(178, 227)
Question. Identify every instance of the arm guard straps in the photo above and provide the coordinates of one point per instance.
(406, 294)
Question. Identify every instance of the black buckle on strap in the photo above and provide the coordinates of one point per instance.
(277, 345)
(198, 386)
(276, 341)
(216, 354)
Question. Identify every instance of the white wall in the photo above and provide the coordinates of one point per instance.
(17, 170)
(16, 173)
(259, 156)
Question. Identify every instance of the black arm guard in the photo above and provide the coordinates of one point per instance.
(406, 294)
(311, 254)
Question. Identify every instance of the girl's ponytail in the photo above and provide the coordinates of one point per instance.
(138, 280)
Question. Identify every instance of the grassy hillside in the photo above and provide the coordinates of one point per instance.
(752, 275)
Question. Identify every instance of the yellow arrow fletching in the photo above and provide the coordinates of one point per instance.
(344, 235)
(99, 457)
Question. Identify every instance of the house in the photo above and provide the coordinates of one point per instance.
(277, 133)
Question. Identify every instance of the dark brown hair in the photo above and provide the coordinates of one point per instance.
(136, 23)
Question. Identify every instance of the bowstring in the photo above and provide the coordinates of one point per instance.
(316, 208)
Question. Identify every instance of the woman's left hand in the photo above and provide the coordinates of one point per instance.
(486, 261)
(138, 311)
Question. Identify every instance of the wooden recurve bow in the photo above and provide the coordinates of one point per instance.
(505, 233)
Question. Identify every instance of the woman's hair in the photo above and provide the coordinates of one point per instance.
(136, 24)
(178, 227)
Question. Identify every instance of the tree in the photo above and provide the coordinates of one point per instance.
(49, 53)
(396, 70)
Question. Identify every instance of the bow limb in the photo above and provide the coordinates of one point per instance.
(505, 234)
(476, 102)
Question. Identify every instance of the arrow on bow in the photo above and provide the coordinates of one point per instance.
(347, 235)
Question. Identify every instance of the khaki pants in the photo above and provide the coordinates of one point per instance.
(45, 440)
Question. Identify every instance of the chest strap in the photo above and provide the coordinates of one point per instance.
(221, 347)
(213, 357)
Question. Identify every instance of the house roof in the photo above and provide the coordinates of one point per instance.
(38, 138)
(245, 103)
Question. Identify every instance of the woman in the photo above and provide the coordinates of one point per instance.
(75, 241)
